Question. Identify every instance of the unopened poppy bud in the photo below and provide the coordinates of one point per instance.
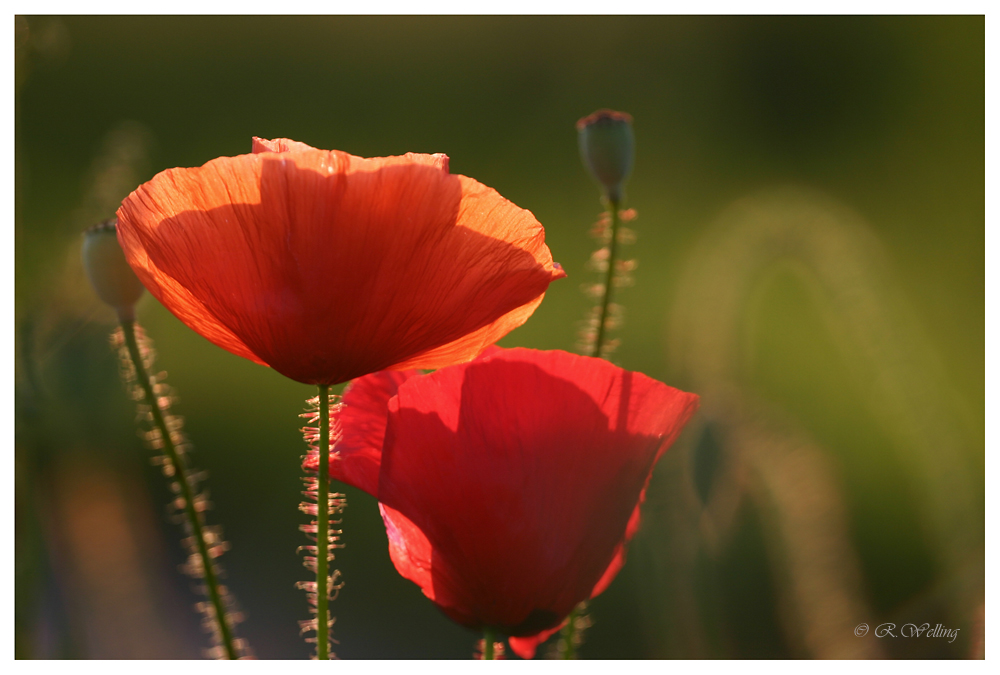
(607, 147)
(108, 271)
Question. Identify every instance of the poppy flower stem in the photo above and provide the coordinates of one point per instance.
(323, 529)
(184, 482)
(570, 637)
(489, 636)
(608, 279)
(321, 504)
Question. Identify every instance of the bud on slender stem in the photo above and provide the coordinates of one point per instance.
(110, 274)
(607, 147)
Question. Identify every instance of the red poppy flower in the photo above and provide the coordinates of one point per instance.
(327, 266)
(510, 485)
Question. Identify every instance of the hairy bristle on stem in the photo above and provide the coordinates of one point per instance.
(606, 315)
(571, 636)
(496, 653)
(163, 433)
(323, 531)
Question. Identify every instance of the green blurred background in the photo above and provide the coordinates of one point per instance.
(810, 197)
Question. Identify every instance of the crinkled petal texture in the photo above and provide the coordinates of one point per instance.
(327, 266)
(509, 486)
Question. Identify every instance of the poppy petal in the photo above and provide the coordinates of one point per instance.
(525, 647)
(358, 453)
(473, 344)
(485, 211)
(278, 145)
(179, 300)
(618, 561)
(327, 266)
(409, 549)
(414, 559)
(522, 472)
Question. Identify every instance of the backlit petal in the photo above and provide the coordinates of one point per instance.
(523, 472)
(327, 266)
(278, 145)
(362, 421)
(525, 647)
(358, 453)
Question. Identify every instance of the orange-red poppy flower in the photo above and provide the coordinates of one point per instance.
(511, 485)
(326, 266)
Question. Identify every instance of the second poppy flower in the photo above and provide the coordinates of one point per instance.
(510, 485)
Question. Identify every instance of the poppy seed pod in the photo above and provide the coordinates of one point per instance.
(108, 271)
(607, 148)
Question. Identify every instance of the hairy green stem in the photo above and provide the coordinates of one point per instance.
(181, 473)
(488, 637)
(567, 638)
(323, 527)
(608, 279)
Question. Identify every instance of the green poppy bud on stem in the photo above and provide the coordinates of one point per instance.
(607, 147)
(108, 271)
